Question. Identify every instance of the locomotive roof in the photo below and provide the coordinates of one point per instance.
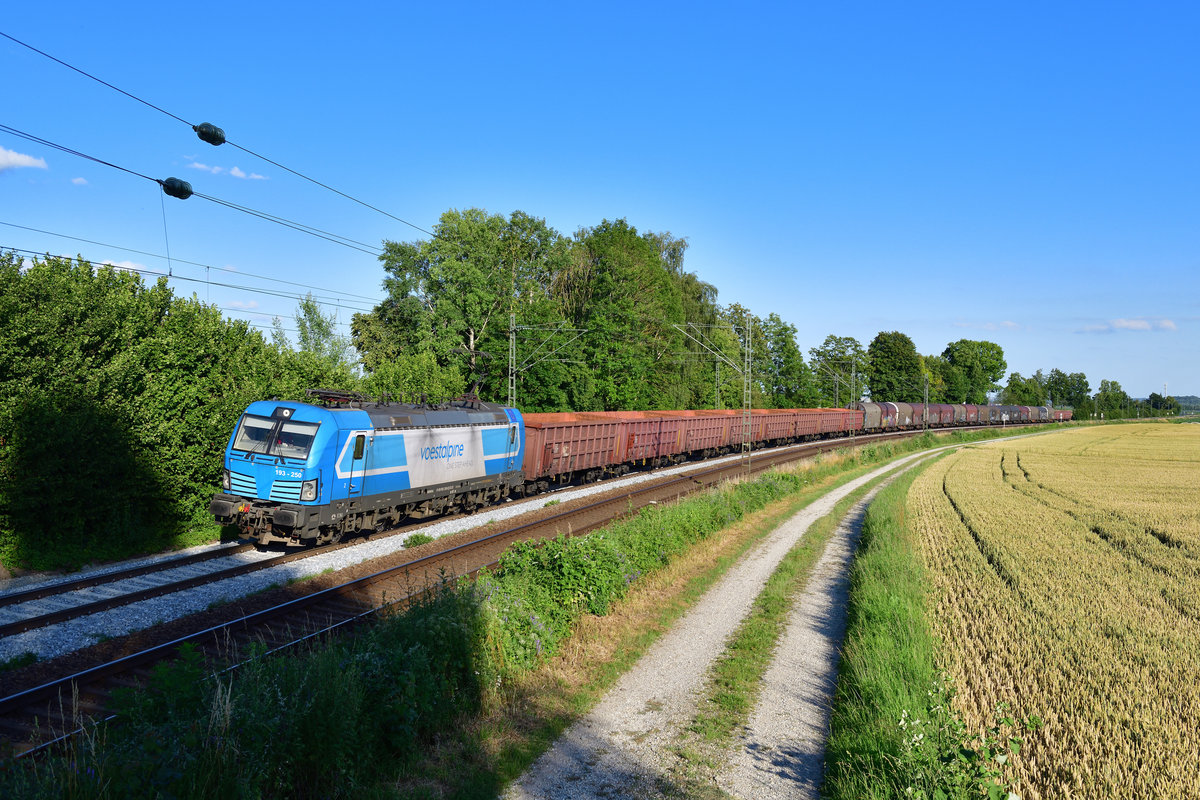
(420, 415)
(407, 415)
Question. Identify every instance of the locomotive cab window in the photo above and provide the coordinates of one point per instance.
(254, 434)
(275, 437)
(294, 439)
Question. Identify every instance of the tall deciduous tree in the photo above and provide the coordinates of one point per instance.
(982, 363)
(895, 371)
(839, 367)
(622, 291)
(322, 356)
(789, 378)
(1068, 390)
(1112, 401)
(452, 295)
(1022, 391)
(947, 383)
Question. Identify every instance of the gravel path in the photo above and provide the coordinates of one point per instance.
(623, 747)
(781, 753)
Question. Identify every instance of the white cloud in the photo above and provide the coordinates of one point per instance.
(246, 305)
(236, 172)
(206, 168)
(79, 181)
(10, 159)
(1131, 324)
(253, 176)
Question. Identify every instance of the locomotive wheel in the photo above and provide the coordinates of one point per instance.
(327, 535)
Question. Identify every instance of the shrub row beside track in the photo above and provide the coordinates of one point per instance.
(118, 399)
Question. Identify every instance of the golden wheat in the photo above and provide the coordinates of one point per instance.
(1064, 571)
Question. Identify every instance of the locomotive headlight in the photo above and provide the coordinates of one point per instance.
(224, 479)
(308, 490)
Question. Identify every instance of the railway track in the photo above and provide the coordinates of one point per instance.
(33, 717)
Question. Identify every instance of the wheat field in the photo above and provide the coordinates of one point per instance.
(1064, 571)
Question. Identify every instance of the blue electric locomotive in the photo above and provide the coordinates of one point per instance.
(303, 473)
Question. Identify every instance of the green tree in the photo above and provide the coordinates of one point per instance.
(452, 295)
(789, 379)
(1162, 406)
(1068, 390)
(323, 357)
(1021, 391)
(894, 372)
(1111, 400)
(982, 364)
(116, 402)
(947, 383)
(740, 319)
(317, 334)
(839, 367)
(619, 288)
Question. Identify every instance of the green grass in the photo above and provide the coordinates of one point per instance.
(417, 539)
(18, 661)
(892, 731)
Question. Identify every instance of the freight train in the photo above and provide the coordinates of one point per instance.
(307, 473)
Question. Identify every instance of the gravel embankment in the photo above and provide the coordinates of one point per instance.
(72, 635)
(624, 746)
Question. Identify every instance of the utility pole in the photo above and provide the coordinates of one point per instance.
(744, 368)
(512, 360)
(747, 396)
(925, 421)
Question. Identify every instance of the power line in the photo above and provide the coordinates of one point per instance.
(65, 149)
(353, 244)
(93, 77)
(182, 189)
(206, 133)
(335, 302)
(271, 315)
(190, 263)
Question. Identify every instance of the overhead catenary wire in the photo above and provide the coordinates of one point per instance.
(203, 135)
(192, 263)
(334, 302)
(273, 316)
(170, 186)
(47, 143)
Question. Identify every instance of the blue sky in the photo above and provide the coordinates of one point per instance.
(1022, 173)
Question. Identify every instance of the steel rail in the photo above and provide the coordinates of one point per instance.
(63, 587)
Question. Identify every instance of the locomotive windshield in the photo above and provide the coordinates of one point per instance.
(275, 437)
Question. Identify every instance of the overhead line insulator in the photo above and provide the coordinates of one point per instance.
(210, 133)
(177, 187)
